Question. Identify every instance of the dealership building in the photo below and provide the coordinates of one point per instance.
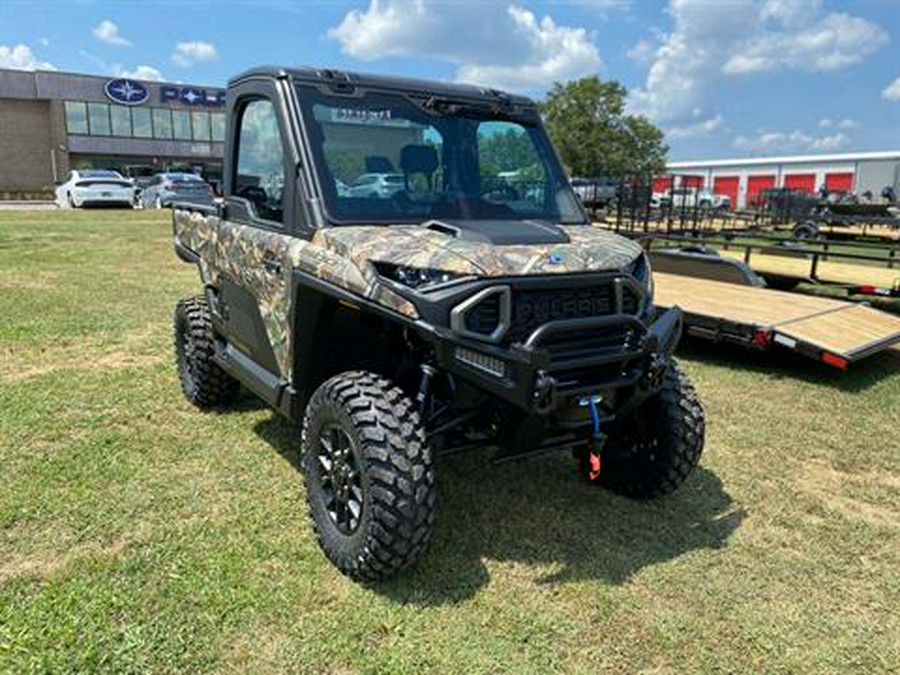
(53, 122)
(744, 179)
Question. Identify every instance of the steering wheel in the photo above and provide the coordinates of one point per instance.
(255, 194)
(500, 189)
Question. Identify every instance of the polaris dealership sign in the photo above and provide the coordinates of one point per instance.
(131, 92)
(126, 92)
(191, 95)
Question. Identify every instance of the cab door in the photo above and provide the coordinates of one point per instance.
(255, 234)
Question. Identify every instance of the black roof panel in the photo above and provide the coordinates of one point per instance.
(384, 82)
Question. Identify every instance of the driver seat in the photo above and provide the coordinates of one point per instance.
(419, 159)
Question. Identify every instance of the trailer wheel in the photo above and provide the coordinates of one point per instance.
(655, 451)
(806, 230)
(370, 484)
(781, 283)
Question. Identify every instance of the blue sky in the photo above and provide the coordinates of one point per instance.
(723, 77)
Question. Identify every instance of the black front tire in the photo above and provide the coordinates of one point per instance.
(653, 453)
(388, 466)
(203, 382)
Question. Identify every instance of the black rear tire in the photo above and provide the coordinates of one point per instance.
(659, 448)
(372, 504)
(203, 382)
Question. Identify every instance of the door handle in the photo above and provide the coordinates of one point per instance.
(272, 265)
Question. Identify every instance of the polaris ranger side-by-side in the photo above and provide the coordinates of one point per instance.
(403, 267)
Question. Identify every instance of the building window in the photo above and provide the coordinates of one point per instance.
(200, 125)
(217, 121)
(181, 121)
(76, 117)
(162, 123)
(98, 119)
(121, 120)
(140, 120)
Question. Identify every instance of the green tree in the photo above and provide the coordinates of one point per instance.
(595, 137)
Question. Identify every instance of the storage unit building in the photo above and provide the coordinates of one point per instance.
(744, 179)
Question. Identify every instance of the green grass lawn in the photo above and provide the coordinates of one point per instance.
(140, 535)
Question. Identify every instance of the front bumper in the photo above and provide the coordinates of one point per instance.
(608, 353)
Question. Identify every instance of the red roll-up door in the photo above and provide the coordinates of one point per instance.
(727, 185)
(695, 182)
(801, 181)
(662, 184)
(839, 182)
(756, 184)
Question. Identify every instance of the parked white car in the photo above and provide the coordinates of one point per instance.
(680, 198)
(380, 185)
(95, 187)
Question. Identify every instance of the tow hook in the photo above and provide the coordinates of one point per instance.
(598, 438)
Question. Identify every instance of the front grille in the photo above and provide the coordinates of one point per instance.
(531, 308)
(574, 344)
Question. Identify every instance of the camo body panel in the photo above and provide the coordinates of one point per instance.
(589, 250)
(239, 251)
(343, 257)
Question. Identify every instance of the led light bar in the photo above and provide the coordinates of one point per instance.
(488, 364)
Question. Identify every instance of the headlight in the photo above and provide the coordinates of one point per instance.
(640, 270)
(415, 277)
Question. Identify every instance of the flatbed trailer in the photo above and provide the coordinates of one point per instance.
(848, 265)
(859, 229)
(721, 302)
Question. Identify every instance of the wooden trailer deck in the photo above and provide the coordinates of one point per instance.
(864, 231)
(833, 331)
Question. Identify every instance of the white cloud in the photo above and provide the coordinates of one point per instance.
(186, 54)
(45, 41)
(847, 124)
(833, 42)
(794, 141)
(143, 72)
(791, 13)
(696, 129)
(20, 57)
(892, 91)
(711, 40)
(642, 52)
(604, 8)
(603, 5)
(504, 46)
(108, 32)
(826, 123)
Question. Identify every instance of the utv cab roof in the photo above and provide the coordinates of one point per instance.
(342, 80)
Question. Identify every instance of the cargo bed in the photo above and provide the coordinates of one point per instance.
(835, 332)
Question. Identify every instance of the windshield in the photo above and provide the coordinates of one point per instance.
(384, 158)
(100, 174)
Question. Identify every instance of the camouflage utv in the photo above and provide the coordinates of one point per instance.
(403, 267)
